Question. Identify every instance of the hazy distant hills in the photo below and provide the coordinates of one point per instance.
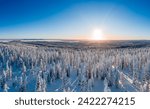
(85, 44)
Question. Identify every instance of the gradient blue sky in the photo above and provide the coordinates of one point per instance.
(118, 19)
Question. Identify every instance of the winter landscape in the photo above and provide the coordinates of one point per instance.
(74, 46)
(74, 66)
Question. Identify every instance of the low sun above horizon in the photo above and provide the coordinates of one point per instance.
(97, 35)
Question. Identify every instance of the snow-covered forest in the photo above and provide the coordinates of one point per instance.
(27, 68)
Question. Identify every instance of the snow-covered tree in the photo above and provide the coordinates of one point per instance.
(106, 88)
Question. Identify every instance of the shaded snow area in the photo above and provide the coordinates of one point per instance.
(73, 67)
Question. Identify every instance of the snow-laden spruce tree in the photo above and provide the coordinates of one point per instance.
(106, 88)
(23, 83)
(6, 88)
(41, 84)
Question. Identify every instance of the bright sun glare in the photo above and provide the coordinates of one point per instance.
(97, 34)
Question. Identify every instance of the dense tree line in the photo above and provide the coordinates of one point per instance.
(22, 64)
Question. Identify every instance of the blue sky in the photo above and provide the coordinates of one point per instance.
(61, 19)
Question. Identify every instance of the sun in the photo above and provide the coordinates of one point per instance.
(97, 34)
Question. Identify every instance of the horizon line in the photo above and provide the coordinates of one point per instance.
(71, 39)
